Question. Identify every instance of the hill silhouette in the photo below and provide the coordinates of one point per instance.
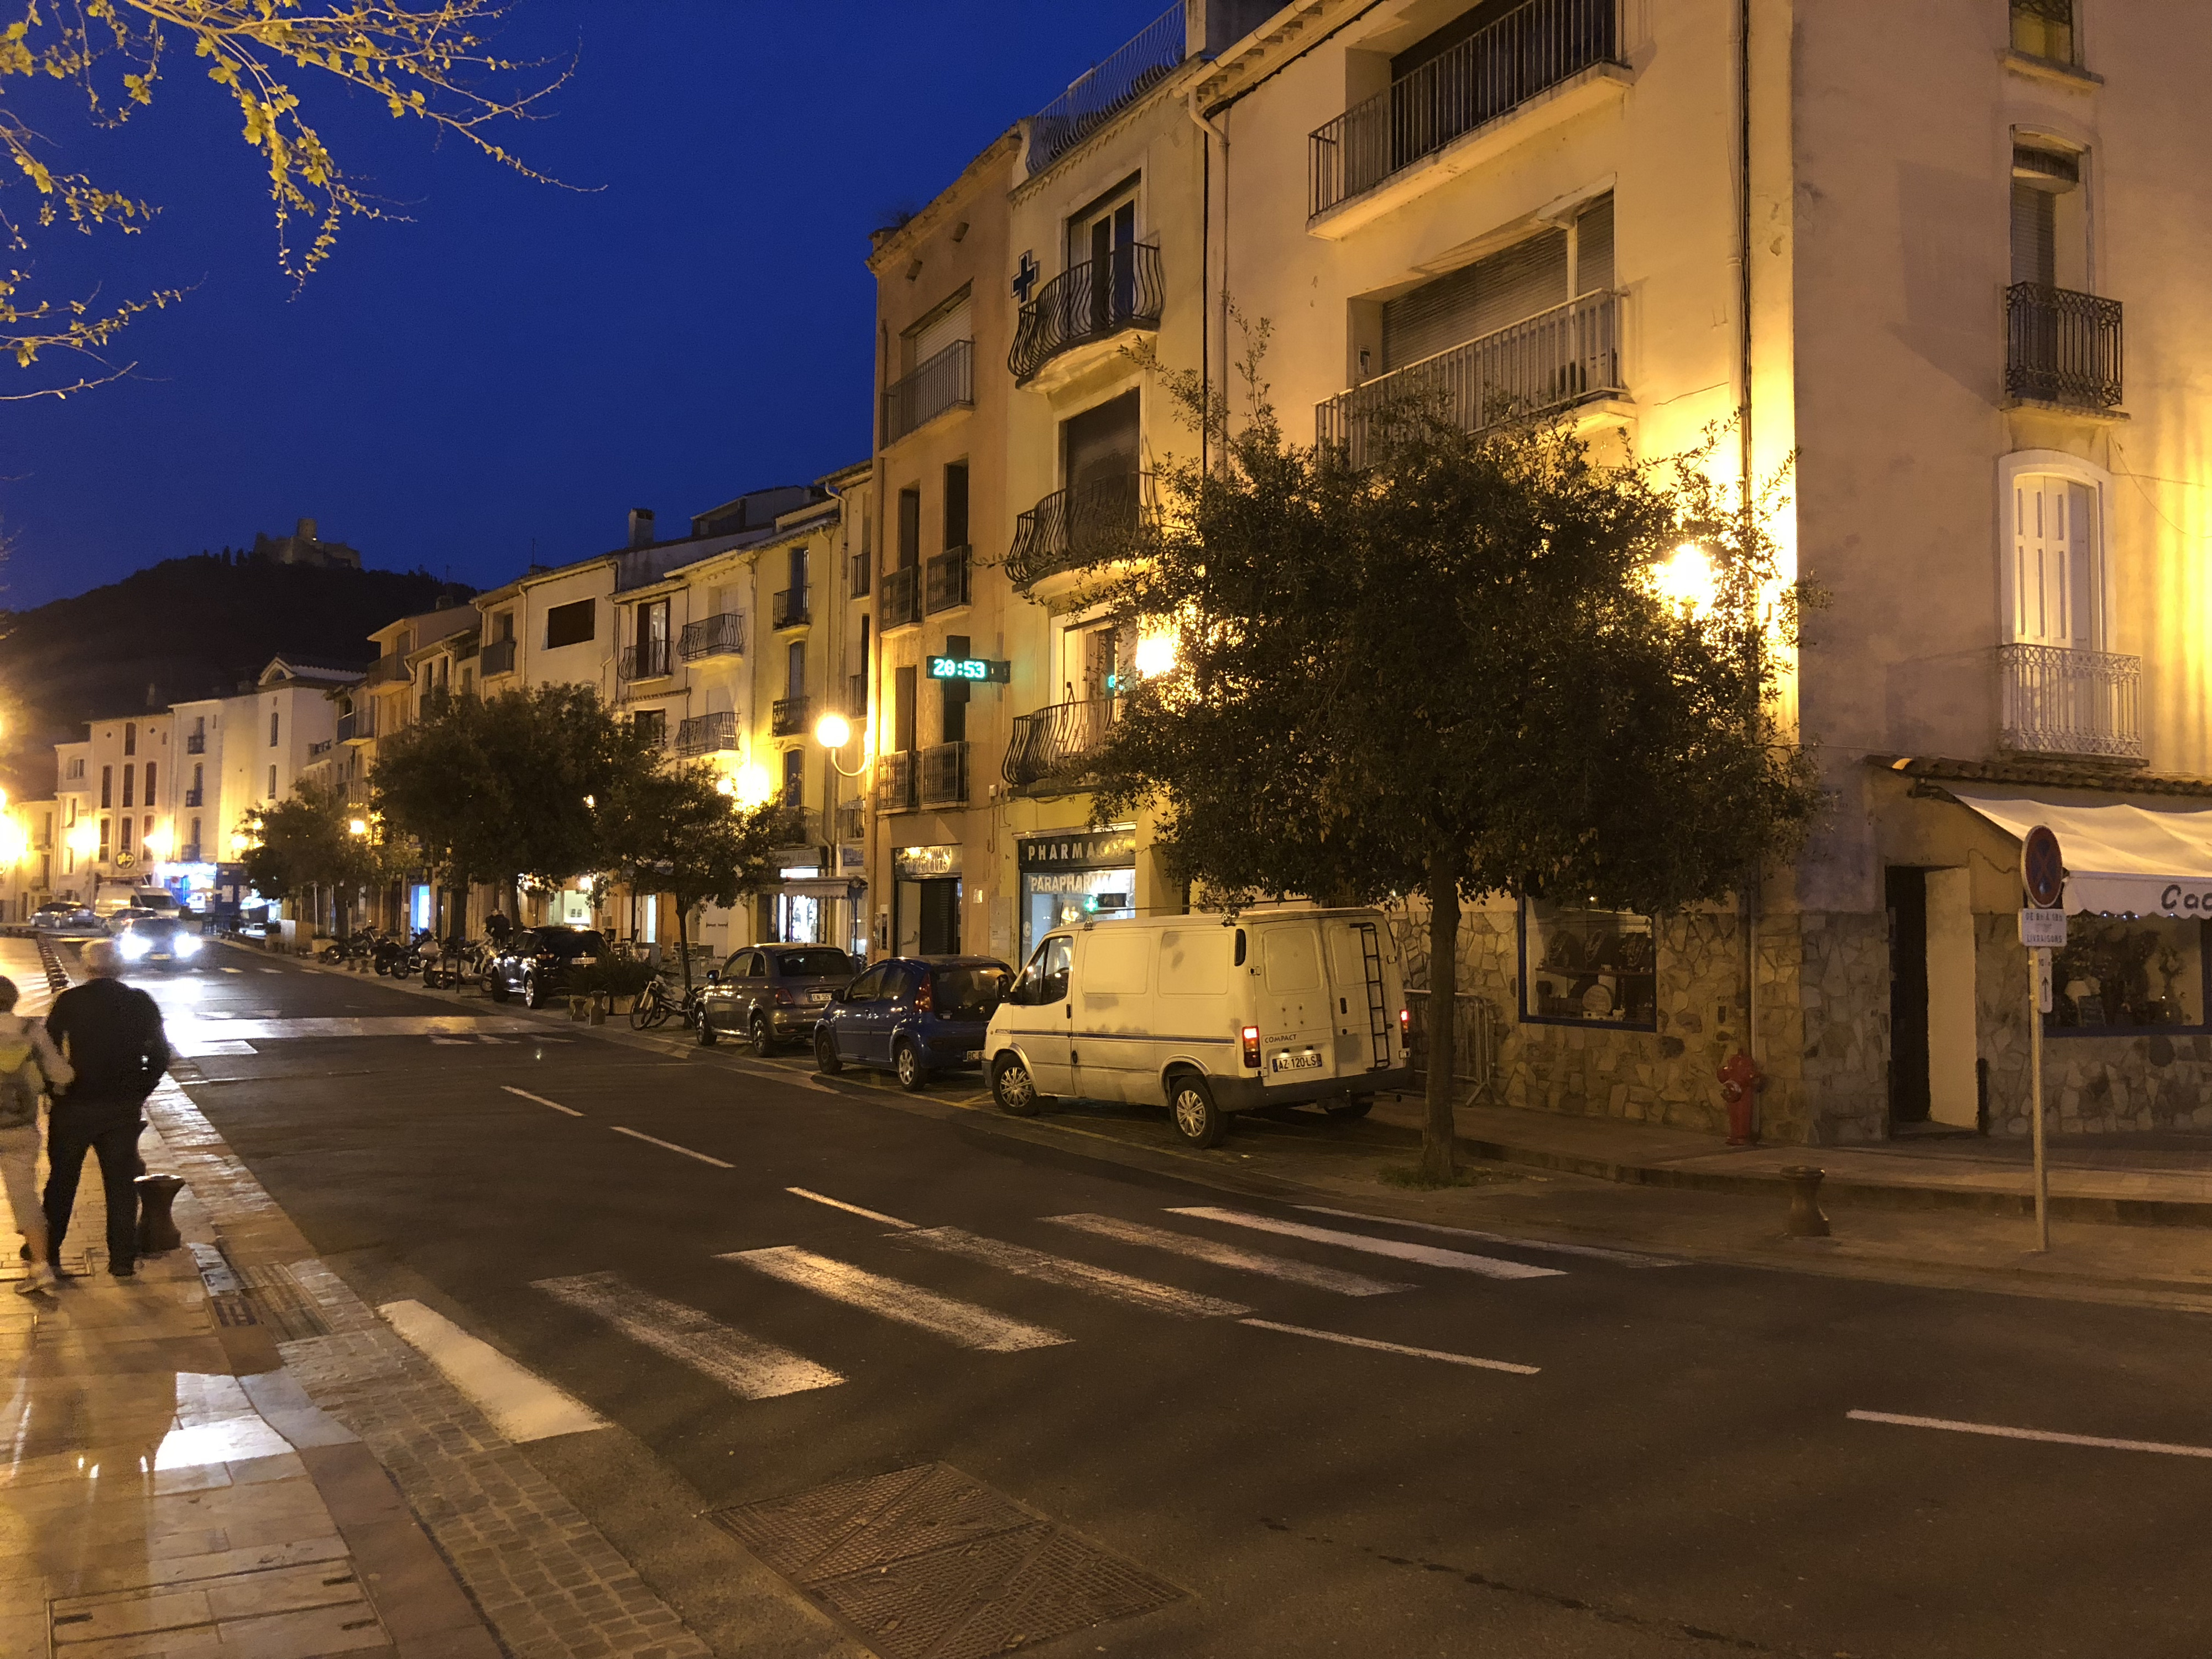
(185, 628)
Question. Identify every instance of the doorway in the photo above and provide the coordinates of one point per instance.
(1934, 1082)
(1906, 893)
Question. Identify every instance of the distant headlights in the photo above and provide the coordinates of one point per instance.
(134, 945)
(185, 944)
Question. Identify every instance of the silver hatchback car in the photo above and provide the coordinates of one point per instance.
(773, 994)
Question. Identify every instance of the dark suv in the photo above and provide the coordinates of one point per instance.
(913, 1016)
(771, 992)
(537, 962)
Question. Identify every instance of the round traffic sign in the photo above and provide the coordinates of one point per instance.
(2042, 871)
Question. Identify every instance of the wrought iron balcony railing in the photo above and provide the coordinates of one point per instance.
(707, 734)
(1086, 525)
(644, 662)
(2062, 702)
(198, 797)
(713, 636)
(498, 658)
(1484, 78)
(1558, 358)
(1147, 57)
(863, 567)
(902, 597)
(1056, 744)
(387, 671)
(944, 580)
(1093, 300)
(788, 716)
(789, 609)
(852, 819)
(944, 774)
(895, 780)
(945, 381)
(359, 725)
(2062, 347)
(189, 852)
(196, 743)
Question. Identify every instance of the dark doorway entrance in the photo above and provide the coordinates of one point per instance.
(1907, 896)
(938, 907)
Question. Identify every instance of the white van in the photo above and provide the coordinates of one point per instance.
(1206, 1015)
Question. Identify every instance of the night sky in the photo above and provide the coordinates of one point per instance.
(504, 377)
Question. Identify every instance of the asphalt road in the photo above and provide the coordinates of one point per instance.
(1677, 1473)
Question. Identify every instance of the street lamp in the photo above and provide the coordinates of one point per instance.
(357, 827)
(833, 731)
(159, 844)
(1687, 580)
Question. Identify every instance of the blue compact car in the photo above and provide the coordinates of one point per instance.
(915, 1016)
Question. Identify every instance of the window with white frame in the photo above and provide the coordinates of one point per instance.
(2055, 574)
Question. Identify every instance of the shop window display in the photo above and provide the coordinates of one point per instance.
(1583, 966)
(2116, 975)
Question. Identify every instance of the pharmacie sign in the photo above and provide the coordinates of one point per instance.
(1087, 850)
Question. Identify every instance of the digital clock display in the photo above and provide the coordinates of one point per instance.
(978, 670)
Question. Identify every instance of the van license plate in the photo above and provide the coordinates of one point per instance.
(1305, 1062)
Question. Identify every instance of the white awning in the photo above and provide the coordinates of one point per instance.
(2121, 859)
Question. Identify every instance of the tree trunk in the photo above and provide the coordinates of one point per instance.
(684, 944)
(1439, 1131)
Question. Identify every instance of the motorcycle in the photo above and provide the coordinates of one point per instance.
(393, 957)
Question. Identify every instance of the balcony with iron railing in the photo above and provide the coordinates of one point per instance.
(1457, 94)
(713, 636)
(945, 381)
(944, 774)
(2084, 704)
(196, 743)
(788, 716)
(649, 661)
(944, 580)
(498, 658)
(358, 726)
(864, 565)
(894, 781)
(1073, 529)
(189, 852)
(1146, 58)
(900, 602)
(195, 797)
(707, 734)
(388, 670)
(1088, 305)
(851, 820)
(316, 750)
(789, 609)
(1567, 356)
(1055, 745)
(2062, 347)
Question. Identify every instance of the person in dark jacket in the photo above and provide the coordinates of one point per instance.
(112, 1035)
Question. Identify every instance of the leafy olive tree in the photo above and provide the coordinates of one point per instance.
(306, 840)
(426, 61)
(1449, 671)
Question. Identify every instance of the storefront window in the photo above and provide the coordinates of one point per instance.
(2116, 975)
(1587, 966)
(799, 919)
(1078, 876)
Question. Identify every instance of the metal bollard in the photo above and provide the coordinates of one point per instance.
(157, 1230)
(1805, 1220)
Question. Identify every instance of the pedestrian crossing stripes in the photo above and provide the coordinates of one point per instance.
(1073, 1275)
(1218, 1254)
(1427, 1255)
(745, 1365)
(1550, 1246)
(958, 1322)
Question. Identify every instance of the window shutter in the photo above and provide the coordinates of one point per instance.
(1480, 299)
(2054, 573)
(1594, 247)
(2034, 234)
(957, 323)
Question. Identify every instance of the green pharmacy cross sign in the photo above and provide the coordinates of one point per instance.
(977, 670)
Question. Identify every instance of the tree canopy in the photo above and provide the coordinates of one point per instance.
(1453, 671)
(308, 841)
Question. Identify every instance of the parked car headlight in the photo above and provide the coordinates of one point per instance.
(134, 945)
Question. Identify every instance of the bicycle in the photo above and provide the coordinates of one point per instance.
(653, 1007)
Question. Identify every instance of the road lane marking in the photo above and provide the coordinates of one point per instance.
(541, 1100)
(852, 1209)
(963, 1322)
(2000, 1432)
(1221, 1255)
(639, 1135)
(744, 1364)
(521, 1404)
(1596, 1252)
(1428, 1254)
(1395, 1347)
(1073, 1275)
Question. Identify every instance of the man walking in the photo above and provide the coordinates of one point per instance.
(112, 1035)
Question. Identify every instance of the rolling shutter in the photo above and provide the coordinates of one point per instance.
(1476, 300)
(956, 324)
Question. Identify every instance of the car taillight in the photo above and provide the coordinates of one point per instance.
(1405, 1026)
(783, 997)
(925, 995)
(1252, 1047)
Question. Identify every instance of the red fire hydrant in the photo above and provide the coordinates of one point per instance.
(1740, 1083)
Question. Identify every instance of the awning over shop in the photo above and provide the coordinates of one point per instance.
(2121, 859)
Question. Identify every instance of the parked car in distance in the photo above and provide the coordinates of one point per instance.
(538, 961)
(118, 921)
(1207, 1016)
(772, 993)
(149, 941)
(67, 919)
(915, 1016)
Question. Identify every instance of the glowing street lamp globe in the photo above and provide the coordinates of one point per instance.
(833, 731)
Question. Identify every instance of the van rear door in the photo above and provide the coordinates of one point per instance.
(1359, 994)
(1297, 1039)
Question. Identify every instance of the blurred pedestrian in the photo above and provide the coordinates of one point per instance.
(111, 1035)
(30, 1065)
(498, 929)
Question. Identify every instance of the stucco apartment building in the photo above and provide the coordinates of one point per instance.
(1954, 279)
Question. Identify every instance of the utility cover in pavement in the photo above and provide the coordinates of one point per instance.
(928, 1563)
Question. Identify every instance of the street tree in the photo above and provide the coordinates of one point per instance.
(1454, 670)
(309, 841)
(495, 789)
(676, 830)
(428, 61)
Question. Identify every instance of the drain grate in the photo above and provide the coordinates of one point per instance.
(928, 1563)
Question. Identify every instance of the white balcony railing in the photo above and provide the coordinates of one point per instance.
(2060, 702)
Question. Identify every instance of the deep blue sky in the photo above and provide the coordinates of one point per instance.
(521, 365)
